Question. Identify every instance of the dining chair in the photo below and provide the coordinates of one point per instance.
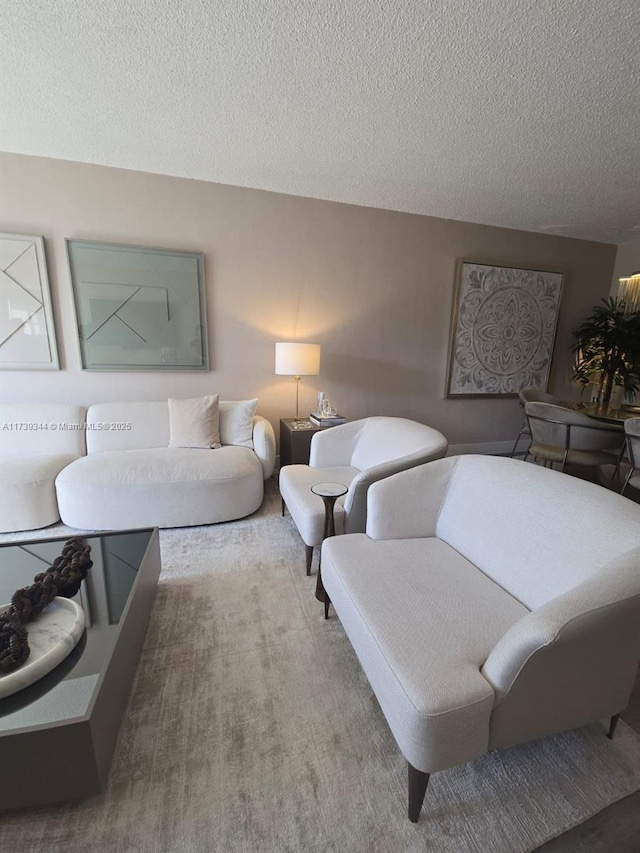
(632, 433)
(532, 395)
(562, 436)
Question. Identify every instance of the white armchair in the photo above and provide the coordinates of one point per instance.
(491, 602)
(355, 454)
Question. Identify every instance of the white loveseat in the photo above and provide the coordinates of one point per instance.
(490, 602)
(129, 476)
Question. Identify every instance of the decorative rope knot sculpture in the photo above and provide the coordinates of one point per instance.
(63, 578)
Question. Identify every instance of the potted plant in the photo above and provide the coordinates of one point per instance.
(607, 349)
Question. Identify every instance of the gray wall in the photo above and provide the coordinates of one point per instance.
(374, 287)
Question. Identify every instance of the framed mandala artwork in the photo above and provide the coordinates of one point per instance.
(503, 330)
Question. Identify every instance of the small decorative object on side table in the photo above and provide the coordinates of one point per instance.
(326, 415)
(329, 492)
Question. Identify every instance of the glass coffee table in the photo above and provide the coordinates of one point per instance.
(57, 736)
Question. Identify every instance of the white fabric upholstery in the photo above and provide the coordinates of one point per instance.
(236, 421)
(335, 446)
(307, 509)
(264, 445)
(27, 491)
(574, 659)
(131, 478)
(31, 459)
(534, 531)
(420, 641)
(56, 439)
(409, 506)
(127, 486)
(149, 427)
(373, 448)
(506, 504)
(132, 426)
(163, 487)
(491, 602)
(194, 422)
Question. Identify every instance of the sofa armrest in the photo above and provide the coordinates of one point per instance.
(356, 501)
(571, 661)
(334, 446)
(264, 444)
(407, 505)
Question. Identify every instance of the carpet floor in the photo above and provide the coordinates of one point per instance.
(250, 727)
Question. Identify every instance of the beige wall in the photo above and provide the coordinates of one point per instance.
(374, 287)
(627, 261)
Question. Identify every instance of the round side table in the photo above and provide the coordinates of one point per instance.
(329, 492)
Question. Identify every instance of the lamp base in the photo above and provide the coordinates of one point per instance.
(297, 379)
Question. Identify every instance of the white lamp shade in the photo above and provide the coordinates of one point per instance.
(298, 359)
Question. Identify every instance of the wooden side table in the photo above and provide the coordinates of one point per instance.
(329, 492)
(295, 442)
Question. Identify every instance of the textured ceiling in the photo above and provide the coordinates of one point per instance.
(520, 113)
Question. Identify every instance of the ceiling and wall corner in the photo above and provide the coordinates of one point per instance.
(521, 115)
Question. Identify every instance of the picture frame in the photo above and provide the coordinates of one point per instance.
(138, 307)
(27, 328)
(503, 329)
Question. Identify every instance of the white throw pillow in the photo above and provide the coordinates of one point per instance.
(236, 421)
(194, 422)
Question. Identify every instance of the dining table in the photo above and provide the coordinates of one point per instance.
(609, 414)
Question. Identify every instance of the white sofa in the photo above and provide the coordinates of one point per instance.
(36, 443)
(490, 602)
(129, 476)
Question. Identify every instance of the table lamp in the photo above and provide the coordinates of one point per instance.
(297, 360)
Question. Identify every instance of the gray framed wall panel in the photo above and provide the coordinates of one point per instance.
(138, 307)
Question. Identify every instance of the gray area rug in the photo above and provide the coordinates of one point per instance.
(252, 728)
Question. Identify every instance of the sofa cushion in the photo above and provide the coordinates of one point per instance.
(143, 425)
(236, 421)
(307, 509)
(27, 491)
(194, 422)
(420, 641)
(130, 426)
(163, 487)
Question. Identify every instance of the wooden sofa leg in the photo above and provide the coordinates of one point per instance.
(612, 726)
(283, 505)
(309, 554)
(418, 782)
(327, 605)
